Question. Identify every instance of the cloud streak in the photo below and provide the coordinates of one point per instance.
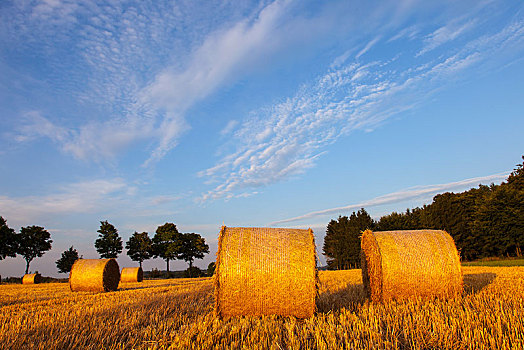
(400, 196)
(282, 141)
(81, 197)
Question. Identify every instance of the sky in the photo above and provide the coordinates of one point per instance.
(270, 113)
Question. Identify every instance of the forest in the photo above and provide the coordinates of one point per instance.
(487, 221)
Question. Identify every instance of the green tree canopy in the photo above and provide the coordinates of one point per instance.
(33, 242)
(8, 240)
(139, 247)
(65, 263)
(167, 242)
(108, 244)
(193, 247)
(211, 268)
(342, 240)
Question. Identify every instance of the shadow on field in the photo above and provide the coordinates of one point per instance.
(475, 282)
(351, 297)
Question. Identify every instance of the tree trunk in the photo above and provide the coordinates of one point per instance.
(140, 263)
(167, 260)
(27, 266)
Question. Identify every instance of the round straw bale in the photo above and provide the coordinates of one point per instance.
(265, 271)
(32, 278)
(403, 264)
(132, 274)
(94, 275)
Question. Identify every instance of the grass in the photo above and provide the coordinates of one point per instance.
(501, 262)
(178, 314)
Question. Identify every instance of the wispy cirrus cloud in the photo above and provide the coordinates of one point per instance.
(445, 34)
(419, 192)
(114, 56)
(80, 197)
(99, 196)
(285, 140)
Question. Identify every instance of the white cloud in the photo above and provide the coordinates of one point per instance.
(93, 141)
(445, 34)
(163, 199)
(274, 144)
(221, 58)
(408, 32)
(81, 197)
(35, 125)
(229, 127)
(400, 196)
(368, 47)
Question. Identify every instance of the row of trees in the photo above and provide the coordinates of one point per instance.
(486, 221)
(168, 244)
(30, 243)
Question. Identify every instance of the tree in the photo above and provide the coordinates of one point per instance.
(167, 242)
(342, 240)
(33, 242)
(211, 268)
(108, 244)
(139, 247)
(8, 240)
(193, 247)
(499, 218)
(65, 263)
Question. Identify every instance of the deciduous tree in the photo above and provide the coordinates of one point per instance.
(342, 240)
(8, 240)
(167, 242)
(193, 247)
(139, 247)
(108, 244)
(33, 242)
(65, 263)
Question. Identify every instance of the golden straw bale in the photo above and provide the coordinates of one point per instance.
(265, 271)
(132, 274)
(32, 278)
(94, 275)
(403, 264)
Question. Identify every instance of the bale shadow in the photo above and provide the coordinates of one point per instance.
(350, 297)
(475, 282)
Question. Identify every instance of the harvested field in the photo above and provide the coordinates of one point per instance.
(178, 314)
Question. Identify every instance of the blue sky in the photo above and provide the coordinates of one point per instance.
(285, 113)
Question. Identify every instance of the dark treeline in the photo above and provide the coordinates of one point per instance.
(487, 221)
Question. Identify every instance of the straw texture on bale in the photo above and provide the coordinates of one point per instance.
(265, 271)
(32, 278)
(132, 274)
(94, 275)
(403, 264)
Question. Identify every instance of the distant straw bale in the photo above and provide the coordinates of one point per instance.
(32, 278)
(265, 271)
(132, 274)
(94, 275)
(403, 264)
